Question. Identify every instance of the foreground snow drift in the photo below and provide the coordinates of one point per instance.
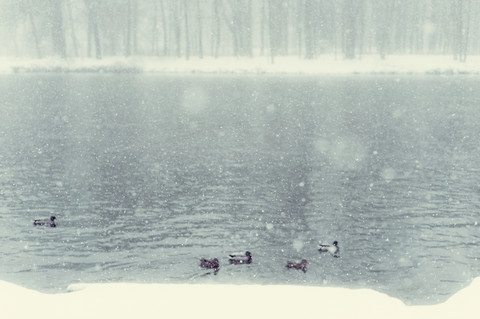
(230, 301)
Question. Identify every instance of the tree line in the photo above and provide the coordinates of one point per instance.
(186, 28)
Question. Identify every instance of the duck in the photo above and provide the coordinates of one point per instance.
(210, 264)
(240, 258)
(45, 222)
(302, 265)
(327, 248)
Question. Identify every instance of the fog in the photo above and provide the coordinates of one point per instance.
(319, 120)
(184, 29)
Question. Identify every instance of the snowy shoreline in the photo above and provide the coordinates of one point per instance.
(127, 300)
(323, 65)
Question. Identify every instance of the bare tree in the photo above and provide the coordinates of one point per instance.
(164, 27)
(58, 33)
(349, 23)
(309, 28)
(238, 18)
(92, 10)
(383, 25)
(187, 31)
(199, 30)
(176, 28)
(155, 46)
(27, 7)
(461, 13)
(216, 30)
(131, 44)
(72, 28)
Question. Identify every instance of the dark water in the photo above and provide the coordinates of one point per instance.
(146, 174)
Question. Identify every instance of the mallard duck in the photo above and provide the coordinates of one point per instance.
(298, 265)
(240, 258)
(45, 222)
(210, 264)
(327, 248)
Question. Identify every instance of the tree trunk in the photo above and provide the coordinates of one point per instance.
(187, 31)
(216, 35)
(309, 28)
(462, 28)
(248, 30)
(272, 29)
(155, 29)
(383, 27)
(58, 34)
(135, 27)
(93, 28)
(128, 41)
(467, 30)
(27, 6)
(176, 26)
(164, 26)
(263, 18)
(349, 28)
(200, 34)
(72, 30)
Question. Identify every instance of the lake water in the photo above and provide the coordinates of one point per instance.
(146, 174)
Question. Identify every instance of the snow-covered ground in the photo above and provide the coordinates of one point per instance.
(372, 64)
(127, 300)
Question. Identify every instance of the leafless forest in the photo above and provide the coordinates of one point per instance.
(188, 28)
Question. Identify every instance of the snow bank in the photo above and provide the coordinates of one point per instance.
(125, 300)
(395, 64)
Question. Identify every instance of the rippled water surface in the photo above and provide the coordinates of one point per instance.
(146, 174)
